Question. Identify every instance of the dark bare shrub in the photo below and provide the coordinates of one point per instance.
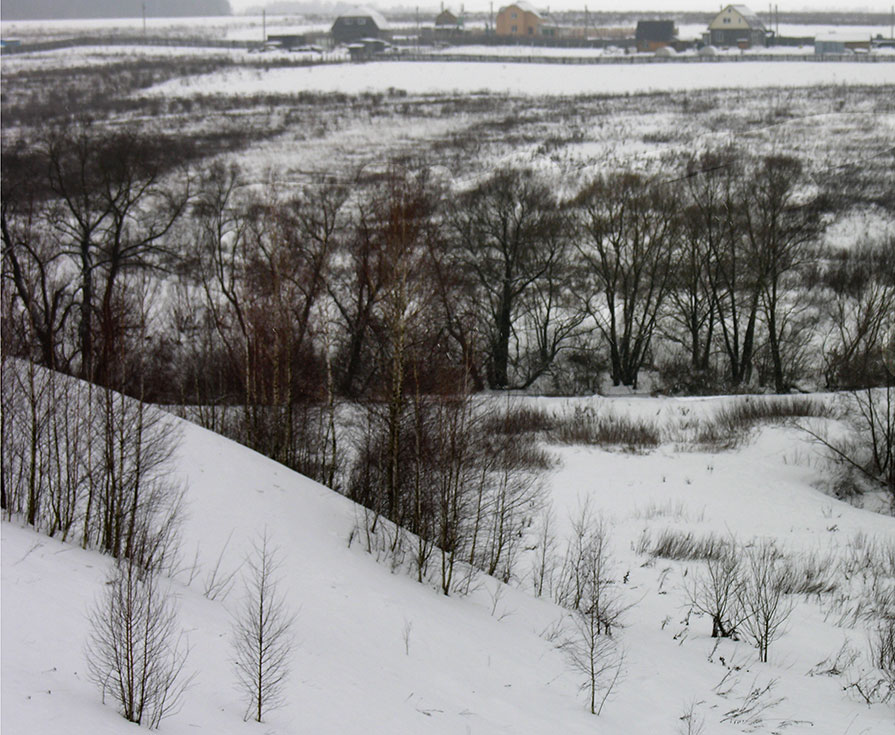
(712, 591)
(589, 427)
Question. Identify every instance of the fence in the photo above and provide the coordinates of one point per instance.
(690, 59)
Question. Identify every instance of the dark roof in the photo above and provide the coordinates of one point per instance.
(655, 30)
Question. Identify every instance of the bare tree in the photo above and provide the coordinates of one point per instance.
(691, 312)
(712, 591)
(508, 236)
(861, 314)
(630, 230)
(591, 650)
(779, 224)
(262, 632)
(135, 650)
(110, 214)
(586, 581)
(867, 456)
(715, 184)
(761, 596)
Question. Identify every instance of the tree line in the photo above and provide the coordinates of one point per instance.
(281, 313)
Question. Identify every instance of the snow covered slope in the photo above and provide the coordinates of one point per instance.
(478, 664)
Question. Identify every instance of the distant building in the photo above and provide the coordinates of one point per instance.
(288, 41)
(368, 48)
(835, 45)
(447, 21)
(737, 25)
(652, 35)
(519, 19)
(357, 24)
(448, 27)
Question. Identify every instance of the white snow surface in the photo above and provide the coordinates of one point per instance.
(467, 670)
(527, 79)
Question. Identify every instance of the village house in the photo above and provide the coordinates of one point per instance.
(519, 19)
(651, 35)
(358, 23)
(737, 25)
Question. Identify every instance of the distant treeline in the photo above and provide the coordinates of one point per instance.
(72, 9)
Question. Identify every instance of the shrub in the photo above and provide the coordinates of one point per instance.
(761, 596)
(732, 424)
(586, 426)
(683, 546)
(135, 650)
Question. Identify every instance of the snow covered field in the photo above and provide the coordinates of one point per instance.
(526, 79)
(479, 664)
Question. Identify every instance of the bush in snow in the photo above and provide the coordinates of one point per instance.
(135, 651)
(762, 597)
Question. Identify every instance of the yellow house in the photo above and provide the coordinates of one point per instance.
(737, 25)
(518, 19)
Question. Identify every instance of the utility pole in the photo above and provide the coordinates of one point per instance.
(586, 24)
(491, 16)
(263, 27)
(144, 20)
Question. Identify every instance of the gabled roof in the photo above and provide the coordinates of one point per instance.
(446, 18)
(357, 11)
(525, 7)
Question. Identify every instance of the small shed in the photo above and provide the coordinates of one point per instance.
(652, 35)
(366, 48)
(288, 41)
(823, 46)
(838, 45)
(358, 23)
(737, 25)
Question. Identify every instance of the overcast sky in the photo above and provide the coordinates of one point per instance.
(880, 6)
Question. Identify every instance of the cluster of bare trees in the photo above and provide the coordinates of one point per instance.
(743, 591)
(275, 294)
(270, 296)
(450, 493)
(88, 464)
(261, 309)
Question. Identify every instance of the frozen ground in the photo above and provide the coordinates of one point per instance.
(480, 664)
(527, 79)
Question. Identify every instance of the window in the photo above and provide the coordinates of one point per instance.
(514, 29)
(531, 31)
(513, 16)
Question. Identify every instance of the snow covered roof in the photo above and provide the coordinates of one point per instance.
(362, 11)
(750, 15)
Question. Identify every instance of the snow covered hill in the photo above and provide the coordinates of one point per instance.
(378, 653)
